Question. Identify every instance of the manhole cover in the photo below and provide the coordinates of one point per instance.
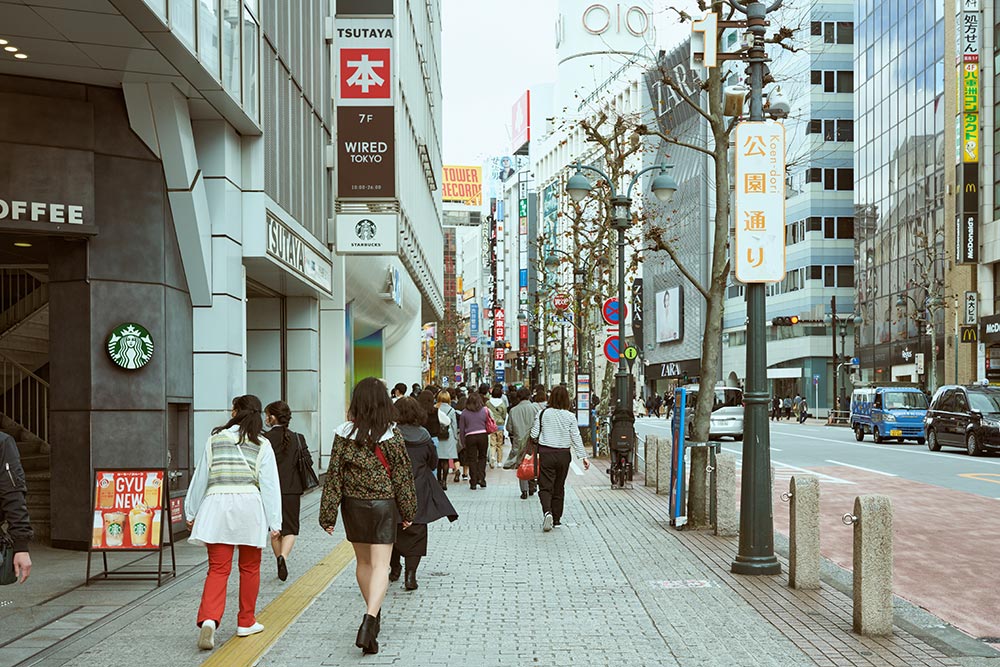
(674, 584)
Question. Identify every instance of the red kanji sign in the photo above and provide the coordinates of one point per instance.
(365, 74)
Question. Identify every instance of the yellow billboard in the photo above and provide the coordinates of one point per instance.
(462, 185)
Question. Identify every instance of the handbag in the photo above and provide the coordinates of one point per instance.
(528, 468)
(306, 472)
(7, 575)
(491, 424)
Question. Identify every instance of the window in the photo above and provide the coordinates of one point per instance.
(816, 28)
(845, 81)
(834, 81)
(845, 130)
(815, 272)
(829, 179)
(232, 11)
(845, 227)
(845, 276)
(845, 179)
(816, 78)
(251, 74)
(829, 276)
(833, 32)
(208, 35)
(182, 20)
(845, 32)
(815, 126)
(814, 175)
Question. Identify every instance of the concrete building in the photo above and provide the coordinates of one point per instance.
(170, 167)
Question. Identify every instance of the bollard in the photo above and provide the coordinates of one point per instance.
(663, 455)
(872, 520)
(727, 521)
(652, 445)
(803, 532)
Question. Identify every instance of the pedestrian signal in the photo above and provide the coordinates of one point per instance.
(785, 321)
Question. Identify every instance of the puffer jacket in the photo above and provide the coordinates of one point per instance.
(13, 489)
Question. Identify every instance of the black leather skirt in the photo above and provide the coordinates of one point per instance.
(370, 521)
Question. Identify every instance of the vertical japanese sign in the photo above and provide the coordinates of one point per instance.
(522, 255)
(583, 400)
(970, 140)
(473, 322)
(759, 207)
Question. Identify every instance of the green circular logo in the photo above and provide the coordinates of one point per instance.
(130, 346)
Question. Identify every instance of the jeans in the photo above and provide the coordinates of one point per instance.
(553, 468)
(479, 443)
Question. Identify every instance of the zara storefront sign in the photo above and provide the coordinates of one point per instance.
(290, 250)
(367, 234)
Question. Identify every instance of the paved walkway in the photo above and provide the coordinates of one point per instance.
(614, 586)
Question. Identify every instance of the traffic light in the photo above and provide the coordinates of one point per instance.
(785, 321)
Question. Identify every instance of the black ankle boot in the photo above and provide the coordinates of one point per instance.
(366, 634)
(411, 573)
(394, 571)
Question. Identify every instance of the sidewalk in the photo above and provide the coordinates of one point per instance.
(614, 586)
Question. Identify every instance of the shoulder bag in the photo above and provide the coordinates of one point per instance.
(306, 473)
(528, 468)
(491, 424)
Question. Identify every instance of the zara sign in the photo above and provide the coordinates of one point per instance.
(599, 19)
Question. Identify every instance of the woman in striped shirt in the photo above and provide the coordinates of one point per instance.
(557, 432)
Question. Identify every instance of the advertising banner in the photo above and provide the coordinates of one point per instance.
(366, 153)
(970, 137)
(367, 234)
(669, 308)
(462, 185)
(473, 322)
(970, 87)
(759, 206)
(583, 400)
(521, 122)
(364, 62)
(678, 426)
(128, 509)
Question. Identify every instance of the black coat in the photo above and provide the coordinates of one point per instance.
(432, 502)
(13, 507)
(288, 469)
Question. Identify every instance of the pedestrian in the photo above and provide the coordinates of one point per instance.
(657, 404)
(234, 500)
(795, 405)
(472, 433)
(668, 401)
(398, 391)
(447, 449)
(556, 432)
(775, 408)
(14, 507)
(803, 409)
(498, 408)
(786, 406)
(519, 420)
(415, 389)
(370, 479)
(464, 453)
(427, 400)
(432, 503)
(288, 446)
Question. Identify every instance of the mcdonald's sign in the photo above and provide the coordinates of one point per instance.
(969, 335)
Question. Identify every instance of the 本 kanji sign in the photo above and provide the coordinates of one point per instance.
(759, 207)
(364, 61)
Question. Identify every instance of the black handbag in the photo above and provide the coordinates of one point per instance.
(7, 575)
(306, 472)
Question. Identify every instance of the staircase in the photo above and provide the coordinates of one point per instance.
(24, 389)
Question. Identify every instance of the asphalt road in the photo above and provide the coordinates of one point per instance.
(805, 447)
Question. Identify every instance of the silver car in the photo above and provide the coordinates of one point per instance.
(727, 412)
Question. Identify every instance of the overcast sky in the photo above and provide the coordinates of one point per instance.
(492, 51)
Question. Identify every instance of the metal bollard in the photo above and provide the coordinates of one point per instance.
(803, 532)
(663, 455)
(652, 446)
(872, 521)
(727, 522)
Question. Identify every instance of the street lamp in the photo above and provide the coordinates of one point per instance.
(663, 187)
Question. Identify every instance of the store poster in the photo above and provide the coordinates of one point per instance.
(128, 509)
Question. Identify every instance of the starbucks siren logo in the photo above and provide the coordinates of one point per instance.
(365, 229)
(130, 346)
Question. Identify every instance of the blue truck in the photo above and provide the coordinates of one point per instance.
(888, 412)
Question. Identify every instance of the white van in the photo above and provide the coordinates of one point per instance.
(727, 412)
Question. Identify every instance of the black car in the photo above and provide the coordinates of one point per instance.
(965, 416)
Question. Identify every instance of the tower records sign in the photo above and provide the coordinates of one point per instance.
(366, 153)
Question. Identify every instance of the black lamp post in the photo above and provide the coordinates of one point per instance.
(663, 187)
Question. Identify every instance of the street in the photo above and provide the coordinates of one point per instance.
(940, 500)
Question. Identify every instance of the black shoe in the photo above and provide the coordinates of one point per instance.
(458, 475)
(472, 486)
(482, 484)
(411, 580)
(282, 568)
(394, 572)
(524, 495)
(366, 635)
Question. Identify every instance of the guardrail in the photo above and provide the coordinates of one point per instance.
(839, 418)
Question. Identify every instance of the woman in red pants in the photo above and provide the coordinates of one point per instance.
(234, 500)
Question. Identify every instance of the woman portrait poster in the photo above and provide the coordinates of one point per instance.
(669, 305)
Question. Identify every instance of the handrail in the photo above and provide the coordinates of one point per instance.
(22, 294)
(24, 398)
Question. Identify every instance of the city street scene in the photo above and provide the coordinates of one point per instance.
(448, 333)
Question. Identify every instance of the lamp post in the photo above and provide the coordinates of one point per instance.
(926, 313)
(663, 187)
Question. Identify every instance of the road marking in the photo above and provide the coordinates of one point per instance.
(877, 472)
(981, 476)
(788, 466)
(284, 610)
(575, 467)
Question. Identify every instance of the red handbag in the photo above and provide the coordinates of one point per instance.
(491, 424)
(528, 469)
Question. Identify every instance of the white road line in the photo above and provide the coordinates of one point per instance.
(575, 467)
(890, 448)
(779, 464)
(848, 465)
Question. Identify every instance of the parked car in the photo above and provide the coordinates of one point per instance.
(727, 412)
(966, 416)
(888, 412)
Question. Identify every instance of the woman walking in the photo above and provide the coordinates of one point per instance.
(464, 453)
(288, 446)
(472, 432)
(557, 431)
(432, 503)
(426, 400)
(447, 448)
(498, 408)
(234, 499)
(519, 420)
(371, 480)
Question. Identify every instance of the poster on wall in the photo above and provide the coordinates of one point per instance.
(669, 308)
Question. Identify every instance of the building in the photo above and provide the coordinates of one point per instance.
(167, 231)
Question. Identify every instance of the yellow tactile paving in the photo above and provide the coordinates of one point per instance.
(283, 611)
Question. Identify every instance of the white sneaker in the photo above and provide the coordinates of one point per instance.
(206, 638)
(252, 630)
(547, 522)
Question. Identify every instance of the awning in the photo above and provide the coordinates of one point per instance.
(781, 373)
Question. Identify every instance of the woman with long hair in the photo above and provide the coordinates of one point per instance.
(370, 480)
(432, 503)
(426, 400)
(472, 431)
(447, 449)
(234, 499)
(287, 445)
(463, 453)
(557, 432)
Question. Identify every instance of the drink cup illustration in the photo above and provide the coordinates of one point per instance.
(151, 490)
(140, 520)
(106, 491)
(114, 528)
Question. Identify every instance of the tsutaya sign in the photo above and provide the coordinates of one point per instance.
(290, 250)
(759, 208)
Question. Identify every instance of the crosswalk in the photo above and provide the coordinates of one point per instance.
(783, 472)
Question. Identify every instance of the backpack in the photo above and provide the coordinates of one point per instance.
(444, 419)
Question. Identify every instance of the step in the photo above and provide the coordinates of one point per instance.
(32, 447)
(36, 463)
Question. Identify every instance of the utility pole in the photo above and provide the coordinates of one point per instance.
(836, 367)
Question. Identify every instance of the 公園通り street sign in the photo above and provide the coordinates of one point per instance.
(759, 206)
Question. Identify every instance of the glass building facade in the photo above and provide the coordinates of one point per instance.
(899, 163)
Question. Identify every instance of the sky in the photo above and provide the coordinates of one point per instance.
(492, 51)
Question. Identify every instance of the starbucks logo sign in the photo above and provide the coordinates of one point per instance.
(365, 229)
(130, 346)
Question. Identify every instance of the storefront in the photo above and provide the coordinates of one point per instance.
(989, 336)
